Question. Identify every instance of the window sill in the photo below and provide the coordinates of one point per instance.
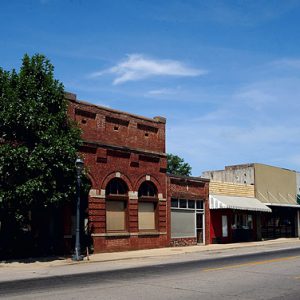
(147, 233)
(112, 234)
(128, 234)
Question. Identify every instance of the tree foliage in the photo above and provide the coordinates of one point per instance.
(38, 143)
(177, 166)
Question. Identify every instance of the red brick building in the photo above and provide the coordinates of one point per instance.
(189, 212)
(126, 162)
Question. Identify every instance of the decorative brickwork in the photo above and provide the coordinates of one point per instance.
(132, 149)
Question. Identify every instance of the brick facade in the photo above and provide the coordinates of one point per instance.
(181, 242)
(190, 188)
(132, 149)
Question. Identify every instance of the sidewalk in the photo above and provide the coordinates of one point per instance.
(140, 254)
(17, 271)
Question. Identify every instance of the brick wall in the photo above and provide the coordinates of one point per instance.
(233, 189)
(191, 188)
(181, 242)
(129, 147)
(117, 128)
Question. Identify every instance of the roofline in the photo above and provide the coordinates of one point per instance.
(73, 98)
(188, 178)
(123, 148)
(245, 165)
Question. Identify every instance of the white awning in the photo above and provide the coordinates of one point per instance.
(241, 203)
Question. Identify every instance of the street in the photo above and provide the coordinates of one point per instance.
(273, 274)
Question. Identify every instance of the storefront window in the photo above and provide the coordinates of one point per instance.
(187, 219)
(174, 202)
(182, 203)
(242, 221)
(199, 204)
(191, 204)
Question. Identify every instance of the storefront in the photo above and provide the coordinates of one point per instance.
(282, 222)
(187, 219)
(189, 210)
(235, 219)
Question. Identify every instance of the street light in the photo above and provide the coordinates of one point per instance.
(79, 167)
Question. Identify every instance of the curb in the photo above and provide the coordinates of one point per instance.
(142, 254)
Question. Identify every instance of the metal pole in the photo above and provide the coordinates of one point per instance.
(77, 255)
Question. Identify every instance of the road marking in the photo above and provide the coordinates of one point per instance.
(253, 263)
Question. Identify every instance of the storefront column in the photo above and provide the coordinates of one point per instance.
(258, 227)
(298, 223)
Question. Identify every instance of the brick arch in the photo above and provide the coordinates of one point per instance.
(92, 180)
(153, 180)
(112, 176)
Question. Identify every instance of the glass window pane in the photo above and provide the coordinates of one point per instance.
(116, 187)
(199, 204)
(174, 202)
(191, 204)
(182, 203)
(147, 189)
(199, 220)
(250, 222)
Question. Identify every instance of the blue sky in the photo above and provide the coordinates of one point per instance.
(225, 74)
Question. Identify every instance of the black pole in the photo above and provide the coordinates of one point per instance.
(77, 255)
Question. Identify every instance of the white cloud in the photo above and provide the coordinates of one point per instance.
(161, 92)
(138, 67)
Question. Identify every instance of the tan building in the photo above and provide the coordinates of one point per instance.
(274, 187)
(298, 187)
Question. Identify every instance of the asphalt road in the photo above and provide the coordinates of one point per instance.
(264, 275)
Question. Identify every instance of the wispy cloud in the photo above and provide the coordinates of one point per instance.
(161, 92)
(137, 67)
(245, 13)
(287, 63)
(258, 122)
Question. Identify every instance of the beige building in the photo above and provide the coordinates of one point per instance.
(298, 187)
(275, 187)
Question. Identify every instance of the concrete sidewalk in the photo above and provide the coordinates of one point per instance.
(140, 254)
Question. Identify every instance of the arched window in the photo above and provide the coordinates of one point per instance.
(147, 189)
(116, 187)
(116, 205)
(148, 199)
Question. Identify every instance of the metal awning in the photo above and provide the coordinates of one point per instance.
(233, 202)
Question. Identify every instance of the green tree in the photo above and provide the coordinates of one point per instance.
(38, 143)
(177, 166)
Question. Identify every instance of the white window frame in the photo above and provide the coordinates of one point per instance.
(196, 210)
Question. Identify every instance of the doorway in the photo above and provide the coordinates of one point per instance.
(199, 227)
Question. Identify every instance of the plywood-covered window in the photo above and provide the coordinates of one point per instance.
(147, 206)
(115, 215)
(146, 216)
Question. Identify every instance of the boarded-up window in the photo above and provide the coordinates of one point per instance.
(182, 223)
(115, 215)
(146, 215)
